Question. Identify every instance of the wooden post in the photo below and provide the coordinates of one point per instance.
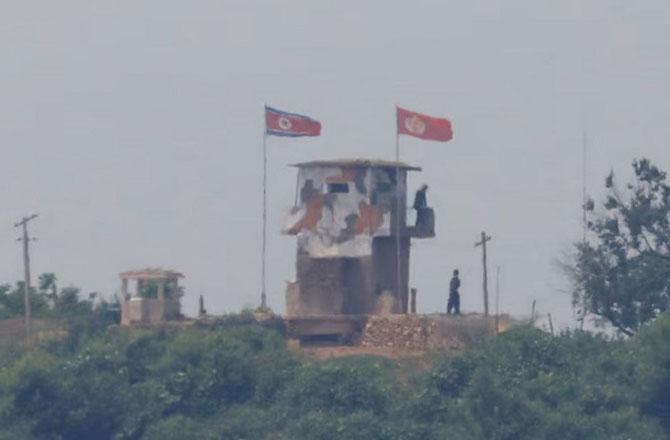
(202, 311)
(551, 324)
(532, 313)
(412, 304)
(485, 284)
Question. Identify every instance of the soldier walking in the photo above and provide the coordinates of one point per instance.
(454, 302)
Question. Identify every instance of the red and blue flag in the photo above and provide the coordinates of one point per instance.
(280, 123)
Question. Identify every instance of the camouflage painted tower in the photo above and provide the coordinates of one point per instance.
(352, 249)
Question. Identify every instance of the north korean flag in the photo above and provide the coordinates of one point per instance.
(423, 126)
(279, 123)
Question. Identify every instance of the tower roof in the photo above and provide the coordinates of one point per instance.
(357, 163)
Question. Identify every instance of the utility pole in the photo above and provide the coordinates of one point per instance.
(485, 284)
(26, 269)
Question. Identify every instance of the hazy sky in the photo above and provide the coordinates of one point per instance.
(134, 129)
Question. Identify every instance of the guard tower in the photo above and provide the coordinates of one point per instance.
(156, 298)
(353, 239)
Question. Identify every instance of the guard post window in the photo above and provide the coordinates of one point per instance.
(338, 188)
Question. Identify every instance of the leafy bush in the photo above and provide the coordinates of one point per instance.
(528, 384)
(238, 381)
(344, 385)
(655, 370)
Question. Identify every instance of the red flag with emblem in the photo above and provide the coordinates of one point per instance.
(423, 126)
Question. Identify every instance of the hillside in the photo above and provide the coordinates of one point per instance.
(238, 380)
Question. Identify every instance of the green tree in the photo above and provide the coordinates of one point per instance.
(46, 300)
(621, 272)
(6, 308)
(69, 304)
(528, 384)
(238, 381)
(179, 428)
(343, 385)
(12, 301)
(48, 287)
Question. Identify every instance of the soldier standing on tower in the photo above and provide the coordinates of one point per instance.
(420, 204)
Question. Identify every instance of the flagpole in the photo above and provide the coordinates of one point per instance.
(265, 217)
(398, 208)
(582, 318)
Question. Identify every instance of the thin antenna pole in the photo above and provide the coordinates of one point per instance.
(584, 221)
(398, 208)
(497, 299)
(265, 219)
(485, 280)
(297, 189)
(584, 144)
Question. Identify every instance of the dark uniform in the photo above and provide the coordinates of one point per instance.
(454, 302)
(420, 201)
(420, 204)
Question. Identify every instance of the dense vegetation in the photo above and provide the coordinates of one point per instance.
(65, 305)
(621, 270)
(238, 381)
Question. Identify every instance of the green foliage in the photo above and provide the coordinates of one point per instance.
(344, 385)
(12, 301)
(621, 273)
(64, 305)
(655, 370)
(528, 384)
(239, 382)
(47, 285)
(177, 428)
(354, 426)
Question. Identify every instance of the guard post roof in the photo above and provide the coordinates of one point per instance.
(151, 274)
(357, 163)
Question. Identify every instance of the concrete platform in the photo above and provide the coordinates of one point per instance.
(342, 326)
(416, 331)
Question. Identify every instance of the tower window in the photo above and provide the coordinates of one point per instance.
(338, 188)
(384, 187)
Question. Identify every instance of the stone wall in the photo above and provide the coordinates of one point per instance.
(426, 332)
